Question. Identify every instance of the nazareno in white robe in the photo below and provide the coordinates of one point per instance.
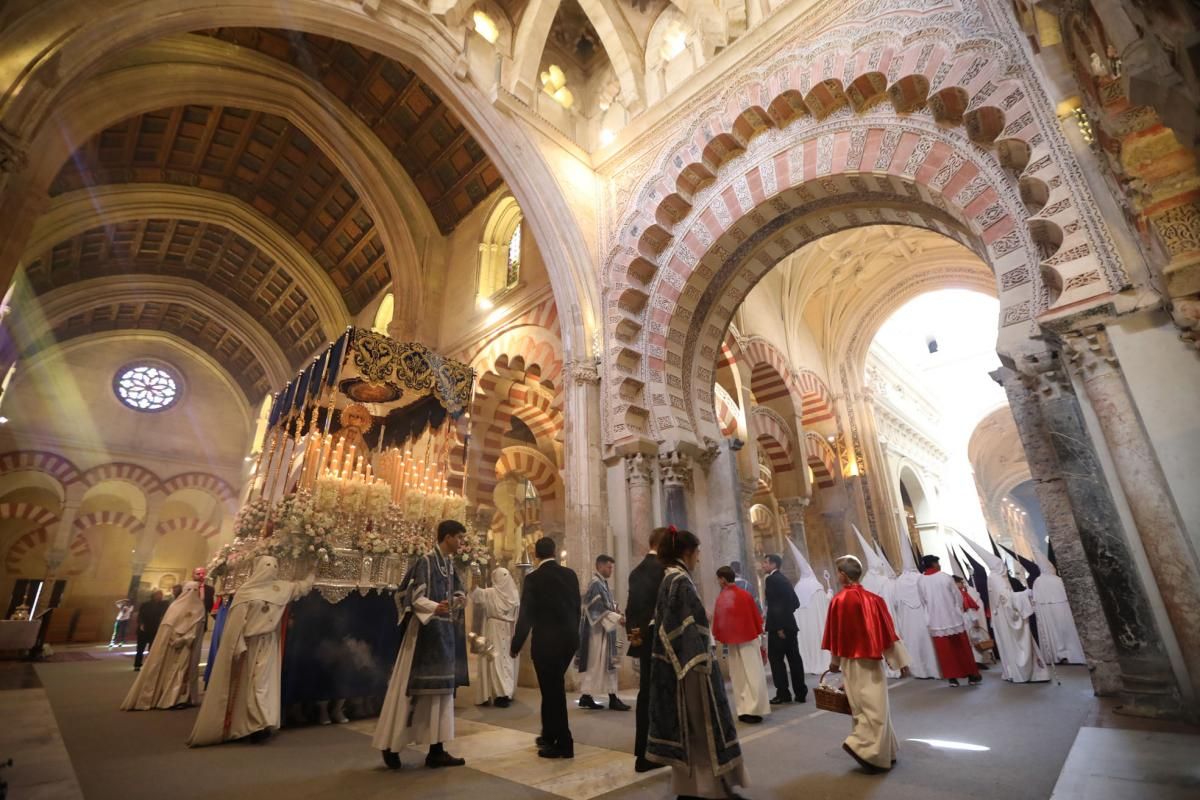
(170, 678)
(243, 694)
(810, 616)
(912, 623)
(497, 670)
(1019, 657)
(1056, 627)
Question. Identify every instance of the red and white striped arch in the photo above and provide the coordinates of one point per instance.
(117, 519)
(821, 459)
(531, 464)
(188, 525)
(39, 540)
(774, 437)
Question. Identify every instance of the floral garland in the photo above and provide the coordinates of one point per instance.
(251, 519)
(300, 529)
(475, 550)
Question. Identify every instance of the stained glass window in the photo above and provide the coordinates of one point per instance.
(144, 387)
(513, 274)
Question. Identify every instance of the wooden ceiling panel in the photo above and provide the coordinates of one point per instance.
(209, 254)
(448, 166)
(258, 158)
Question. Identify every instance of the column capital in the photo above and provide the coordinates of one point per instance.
(1090, 351)
(676, 468)
(639, 469)
(584, 371)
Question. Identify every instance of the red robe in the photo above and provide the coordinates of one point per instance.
(735, 618)
(859, 624)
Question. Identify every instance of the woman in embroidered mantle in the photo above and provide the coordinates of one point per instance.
(691, 726)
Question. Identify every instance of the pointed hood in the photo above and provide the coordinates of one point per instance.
(888, 570)
(808, 585)
(991, 560)
(874, 561)
(908, 559)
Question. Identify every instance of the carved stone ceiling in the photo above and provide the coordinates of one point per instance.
(996, 455)
(447, 165)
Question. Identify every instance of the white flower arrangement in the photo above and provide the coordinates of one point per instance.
(251, 519)
(475, 550)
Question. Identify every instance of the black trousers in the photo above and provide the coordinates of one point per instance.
(643, 704)
(144, 640)
(784, 655)
(551, 669)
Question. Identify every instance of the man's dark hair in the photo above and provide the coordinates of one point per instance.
(929, 561)
(544, 548)
(449, 527)
(776, 560)
(726, 574)
(605, 559)
(656, 537)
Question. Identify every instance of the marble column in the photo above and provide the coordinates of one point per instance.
(794, 509)
(1145, 486)
(1094, 557)
(586, 532)
(675, 467)
(639, 482)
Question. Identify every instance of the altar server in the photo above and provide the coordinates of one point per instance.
(243, 694)
(737, 624)
(810, 616)
(944, 610)
(598, 654)
(691, 727)
(1011, 613)
(1059, 638)
(432, 662)
(497, 677)
(912, 619)
(860, 636)
(170, 678)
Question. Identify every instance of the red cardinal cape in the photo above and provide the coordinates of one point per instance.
(859, 625)
(735, 618)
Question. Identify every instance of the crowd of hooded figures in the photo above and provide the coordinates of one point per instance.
(922, 622)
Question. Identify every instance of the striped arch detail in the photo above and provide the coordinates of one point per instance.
(817, 403)
(770, 374)
(117, 518)
(188, 525)
(203, 481)
(529, 340)
(40, 539)
(53, 465)
(533, 465)
(727, 413)
(774, 436)
(141, 477)
(821, 459)
(39, 516)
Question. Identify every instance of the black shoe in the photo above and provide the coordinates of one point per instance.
(645, 765)
(974, 680)
(542, 741)
(558, 751)
(392, 759)
(780, 699)
(615, 704)
(750, 719)
(586, 701)
(258, 737)
(443, 759)
(954, 682)
(802, 697)
(867, 766)
(502, 702)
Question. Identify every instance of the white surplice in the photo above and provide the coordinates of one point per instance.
(243, 694)
(422, 720)
(171, 675)
(1056, 627)
(497, 669)
(749, 679)
(912, 623)
(599, 679)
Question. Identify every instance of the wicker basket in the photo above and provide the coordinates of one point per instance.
(831, 698)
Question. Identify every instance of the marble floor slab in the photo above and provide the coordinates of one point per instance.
(1116, 764)
(30, 737)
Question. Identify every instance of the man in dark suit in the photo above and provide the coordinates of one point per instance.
(639, 623)
(783, 649)
(550, 607)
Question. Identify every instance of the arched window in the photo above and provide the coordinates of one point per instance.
(383, 315)
(500, 251)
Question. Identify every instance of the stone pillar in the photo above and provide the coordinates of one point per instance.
(1094, 556)
(639, 482)
(1145, 486)
(794, 508)
(143, 552)
(676, 470)
(586, 532)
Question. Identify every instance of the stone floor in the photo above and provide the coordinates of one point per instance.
(997, 741)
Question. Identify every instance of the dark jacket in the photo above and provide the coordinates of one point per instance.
(150, 615)
(644, 581)
(550, 608)
(781, 603)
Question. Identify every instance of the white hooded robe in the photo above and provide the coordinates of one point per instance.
(810, 616)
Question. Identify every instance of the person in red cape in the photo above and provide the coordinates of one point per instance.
(738, 625)
(944, 606)
(860, 635)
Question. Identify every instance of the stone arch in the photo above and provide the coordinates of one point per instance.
(204, 482)
(815, 399)
(37, 516)
(188, 525)
(135, 474)
(503, 223)
(416, 39)
(65, 473)
(774, 435)
(909, 476)
(727, 411)
(533, 465)
(78, 553)
(821, 460)
(771, 374)
(117, 519)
